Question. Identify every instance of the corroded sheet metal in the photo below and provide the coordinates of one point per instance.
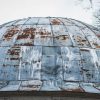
(26, 35)
(55, 21)
(61, 36)
(49, 54)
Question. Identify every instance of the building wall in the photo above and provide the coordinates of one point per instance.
(50, 95)
(44, 98)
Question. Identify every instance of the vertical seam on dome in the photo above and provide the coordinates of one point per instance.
(86, 26)
(83, 33)
(68, 32)
(51, 31)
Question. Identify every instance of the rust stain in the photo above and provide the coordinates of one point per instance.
(55, 22)
(15, 47)
(14, 53)
(84, 49)
(75, 90)
(62, 37)
(96, 44)
(43, 36)
(10, 33)
(32, 86)
(80, 40)
(27, 44)
(98, 35)
(42, 31)
(14, 58)
(29, 30)
(27, 33)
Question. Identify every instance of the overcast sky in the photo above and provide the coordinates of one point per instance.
(18, 9)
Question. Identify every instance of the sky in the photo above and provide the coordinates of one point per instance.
(19, 9)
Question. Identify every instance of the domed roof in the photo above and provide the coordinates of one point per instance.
(49, 53)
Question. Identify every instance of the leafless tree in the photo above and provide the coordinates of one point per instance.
(94, 6)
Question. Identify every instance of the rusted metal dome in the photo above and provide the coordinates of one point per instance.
(51, 54)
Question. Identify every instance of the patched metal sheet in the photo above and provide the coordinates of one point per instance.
(44, 21)
(43, 30)
(30, 65)
(55, 21)
(49, 54)
(70, 53)
(61, 36)
(26, 35)
(32, 21)
(51, 63)
(21, 21)
(10, 35)
(43, 35)
(92, 38)
(72, 71)
(78, 37)
(89, 62)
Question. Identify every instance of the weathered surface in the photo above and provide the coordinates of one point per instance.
(49, 54)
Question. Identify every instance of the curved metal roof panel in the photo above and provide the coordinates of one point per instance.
(49, 54)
